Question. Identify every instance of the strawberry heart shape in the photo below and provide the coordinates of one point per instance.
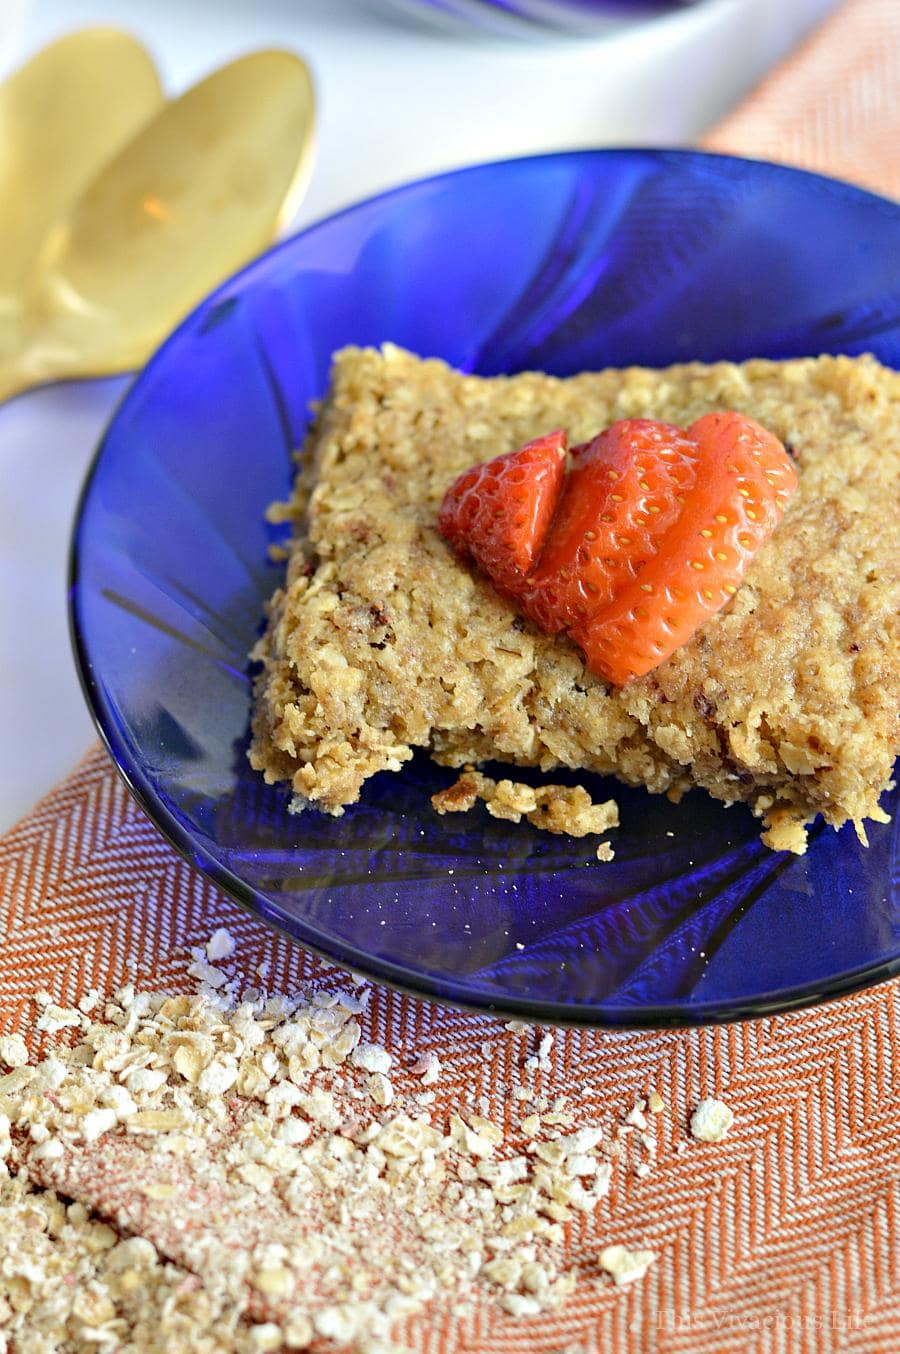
(649, 534)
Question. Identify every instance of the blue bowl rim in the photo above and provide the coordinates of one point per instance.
(346, 956)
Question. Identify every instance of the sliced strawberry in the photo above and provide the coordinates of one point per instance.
(497, 514)
(744, 479)
(619, 499)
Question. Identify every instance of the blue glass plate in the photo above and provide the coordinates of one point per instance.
(531, 18)
(559, 262)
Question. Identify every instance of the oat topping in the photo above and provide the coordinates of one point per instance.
(251, 1175)
(711, 1120)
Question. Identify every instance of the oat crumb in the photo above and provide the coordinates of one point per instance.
(380, 1089)
(624, 1265)
(221, 945)
(208, 973)
(562, 809)
(371, 1058)
(13, 1051)
(711, 1120)
(427, 1066)
(302, 1200)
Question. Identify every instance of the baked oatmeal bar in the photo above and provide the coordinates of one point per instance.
(381, 640)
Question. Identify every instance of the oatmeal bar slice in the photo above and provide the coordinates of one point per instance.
(381, 640)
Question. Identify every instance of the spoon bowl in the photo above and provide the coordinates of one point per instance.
(63, 115)
(198, 191)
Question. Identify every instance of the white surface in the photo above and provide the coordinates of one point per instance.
(396, 101)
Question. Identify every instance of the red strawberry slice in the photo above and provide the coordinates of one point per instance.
(619, 500)
(744, 480)
(497, 514)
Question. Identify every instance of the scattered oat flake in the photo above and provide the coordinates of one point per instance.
(54, 1018)
(281, 1188)
(655, 1102)
(583, 1140)
(428, 1067)
(154, 1121)
(380, 1088)
(50, 1150)
(711, 1120)
(371, 1058)
(218, 1077)
(221, 945)
(13, 1051)
(624, 1265)
(144, 1079)
(97, 1122)
(78, 1287)
(16, 1079)
(208, 973)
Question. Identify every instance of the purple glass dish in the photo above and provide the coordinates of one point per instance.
(574, 261)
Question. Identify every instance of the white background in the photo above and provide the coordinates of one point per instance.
(395, 101)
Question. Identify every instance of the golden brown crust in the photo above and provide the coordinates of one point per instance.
(381, 640)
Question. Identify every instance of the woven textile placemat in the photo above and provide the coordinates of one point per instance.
(833, 105)
(783, 1236)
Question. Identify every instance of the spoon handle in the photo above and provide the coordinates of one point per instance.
(14, 379)
(28, 368)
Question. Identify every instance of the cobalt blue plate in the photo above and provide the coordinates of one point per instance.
(532, 18)
(559, 262)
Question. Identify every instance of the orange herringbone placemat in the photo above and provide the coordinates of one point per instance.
(834, 105)
(785, 1235)
(782, 1236)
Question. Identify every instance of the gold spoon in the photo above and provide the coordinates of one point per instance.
(199, 191)
(62, 116)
